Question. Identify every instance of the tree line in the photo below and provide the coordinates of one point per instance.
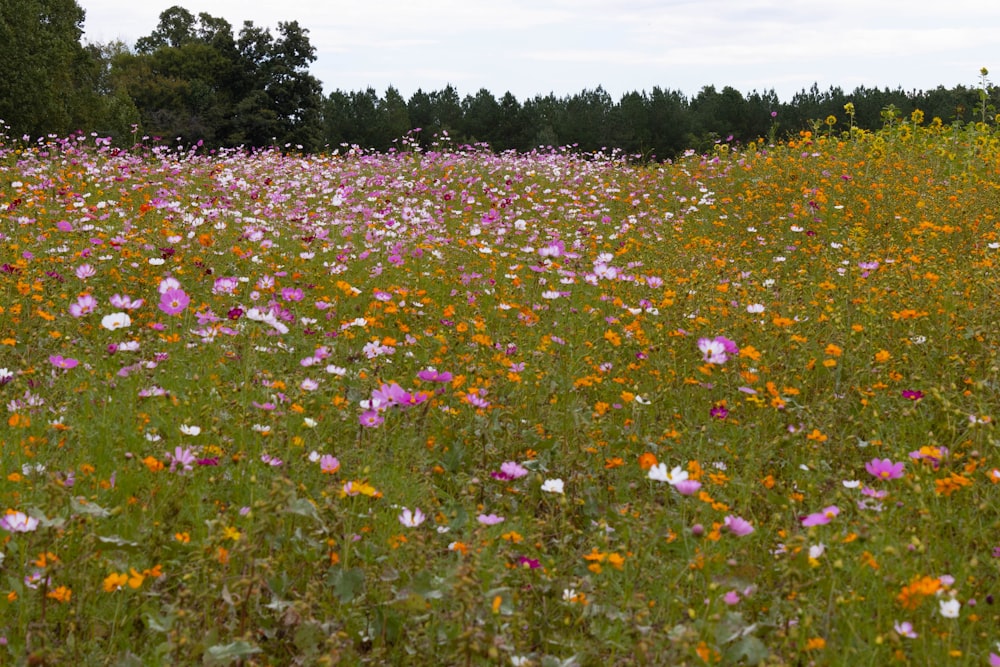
(194, 78)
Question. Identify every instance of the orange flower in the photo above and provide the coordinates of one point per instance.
(647, 461)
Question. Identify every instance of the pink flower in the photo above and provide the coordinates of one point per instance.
(174, 301)
(820, 518)
(913, 394)
(85, 304)
(885, 469)
(60, 361)
(371, 418)
(738, 526)
(489, 519)
(510, 470)
(329, 464)
(687, 487)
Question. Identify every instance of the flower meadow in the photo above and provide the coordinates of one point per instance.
(534, 409)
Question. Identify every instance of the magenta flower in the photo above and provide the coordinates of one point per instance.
(913, 394)
(885, 469)
(60, 361)
(174, 301)
(738, 526)
(821, 518)
(719, 411)
(432, 375)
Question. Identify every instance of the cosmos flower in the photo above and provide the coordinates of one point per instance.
(885, 469)
(738, 526)
(411, 519)
(658, 473)
(174, 301)
(821, 518)
(18, 522)
(552, 486)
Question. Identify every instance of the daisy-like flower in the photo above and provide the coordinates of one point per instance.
(174, 301)
(190, 430)
(713, 350)
(658, 473)
(85, 304)
(18, 522)
(904, 629)
(412, 519)
(553, 486)
(125, 302)
(885, 469)
(821, 518)
(949, 608)
(328, 464)
(6, 376)
(489, 519)
(60, 361)
(116, 321)
(183, 457)
(510, 470)
(738, 526)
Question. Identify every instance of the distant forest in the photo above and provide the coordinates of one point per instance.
(195, 79)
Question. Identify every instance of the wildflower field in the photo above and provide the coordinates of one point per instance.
(455, 408)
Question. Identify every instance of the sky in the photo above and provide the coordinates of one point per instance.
(537, 47)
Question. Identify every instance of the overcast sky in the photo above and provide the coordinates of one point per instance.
(531, 47)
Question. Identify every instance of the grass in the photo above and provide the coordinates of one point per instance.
(734, 409)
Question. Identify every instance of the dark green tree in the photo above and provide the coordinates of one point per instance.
(47, 75)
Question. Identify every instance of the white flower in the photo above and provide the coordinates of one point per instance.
(190, 430)
(816, 550)
(658, 473)
(412, 519)
(851, 483)
(755, 308)
(553, 486)
(950, 608)
(309, 422)
(116, 321)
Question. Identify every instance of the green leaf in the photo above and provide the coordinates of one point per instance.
(749, 649)
(81, 505)
(347, 584)
(226, 653)
(303, 507)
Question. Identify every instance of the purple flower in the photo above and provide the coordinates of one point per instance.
(432, 375)
(60, 361)
(687, 487)
(530, 563)
(371, 419)
(489, 519)
(738, 526)
(85, 304)
(174, 300)
(509, 470)
(183, 457)
(719, 411)
(913, 394)
(820, 518)
(885, 469)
